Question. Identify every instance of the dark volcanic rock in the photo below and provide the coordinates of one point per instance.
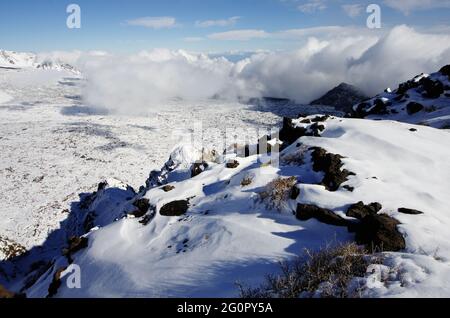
(168, 188)
(306, 212)
(198, 168)
(320, 119)
(365, 109)
(360, 210)
(379, 108)
(413, 108)
(445, 71)
(404, 87)
(56, 283)
(75, 244)
(232, 164)
(432, 89)
(342, 97)
(409, 211)
(175, 208)
(289, 133)
(330, 164)
(142, 206)
(380, 233)
(359, 111)
(295, 192)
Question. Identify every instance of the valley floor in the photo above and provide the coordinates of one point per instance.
(53, 147)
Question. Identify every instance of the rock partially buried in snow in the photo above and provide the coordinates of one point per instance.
(413, 108)
(306, 212)
(380, 234)
(360, 211)
(295, 192)
(56, 282)
(175, 208)
(198, 168)
(330, 164)
(410, 211)
(290, 133)
(168, 188)
(232, 164)
(75, 244)
(142, 206)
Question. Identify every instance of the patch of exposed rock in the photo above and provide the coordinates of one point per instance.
(306, 212)
(175, 208)
(331, 165)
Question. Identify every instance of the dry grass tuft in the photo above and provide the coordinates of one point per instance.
(277, 193)
(296, 158)
(326, 273)
(246, 181)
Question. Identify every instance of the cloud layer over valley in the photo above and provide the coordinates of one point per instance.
(141, 82)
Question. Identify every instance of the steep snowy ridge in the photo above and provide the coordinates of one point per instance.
(423, 100)
(205, 222)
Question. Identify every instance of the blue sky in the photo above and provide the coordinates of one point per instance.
(199, 25)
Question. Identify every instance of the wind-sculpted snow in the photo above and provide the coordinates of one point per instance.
(202, 252)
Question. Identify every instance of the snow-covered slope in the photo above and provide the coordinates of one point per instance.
(4, 97)
(423, 100)
(10, 59)
(19, 60)
(226, 229)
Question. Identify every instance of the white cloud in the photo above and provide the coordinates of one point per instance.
(143, 82)
(407, 6)
(239, 35)
(372, 63)
(295, 34)
(331, 31)
(154, 22)
(312, 6)
(353, 10)
(218, 23)
(76, 58)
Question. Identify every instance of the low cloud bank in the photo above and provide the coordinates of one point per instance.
(142, 82)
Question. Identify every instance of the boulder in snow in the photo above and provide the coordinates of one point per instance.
(306, 212)
(175, 208)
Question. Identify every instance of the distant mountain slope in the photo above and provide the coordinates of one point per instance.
(9, 59)
(18, 60)
(342, 97)
(424, 100)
